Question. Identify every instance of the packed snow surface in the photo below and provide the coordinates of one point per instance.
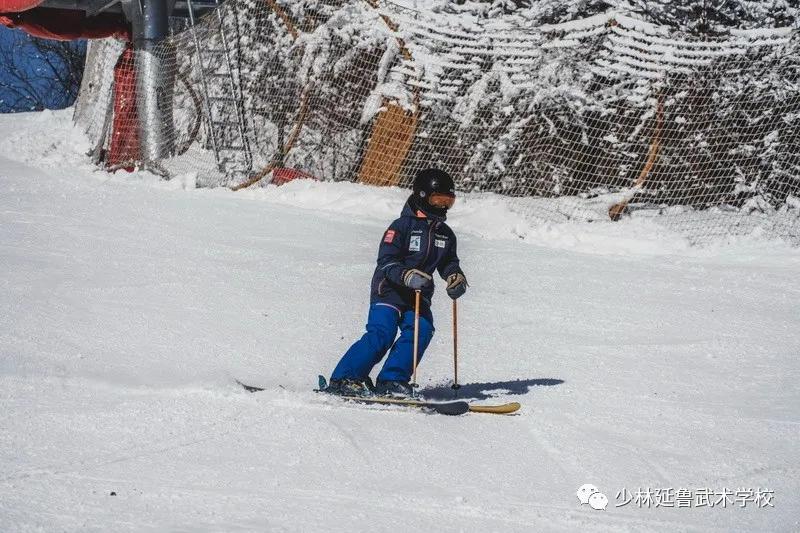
(128, 306)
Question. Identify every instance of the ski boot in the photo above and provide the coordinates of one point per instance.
(350, 387)
(394, 389)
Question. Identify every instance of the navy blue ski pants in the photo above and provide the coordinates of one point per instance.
(382, 325)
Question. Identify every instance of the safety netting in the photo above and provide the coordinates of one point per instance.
(591, 120)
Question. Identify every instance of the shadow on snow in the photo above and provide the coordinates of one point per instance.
(484, 391)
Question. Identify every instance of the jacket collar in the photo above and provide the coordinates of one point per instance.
(413, 211)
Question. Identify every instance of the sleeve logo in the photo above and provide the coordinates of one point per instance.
(389, 236)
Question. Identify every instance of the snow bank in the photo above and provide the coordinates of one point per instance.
(49, 139)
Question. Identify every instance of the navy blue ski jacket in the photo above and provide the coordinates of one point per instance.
(415, 240)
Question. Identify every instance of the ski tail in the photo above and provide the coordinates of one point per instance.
(250, 388)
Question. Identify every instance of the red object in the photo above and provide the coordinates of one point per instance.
(389, 236)
(124, 149)
(15, 6)
(284, 175)
(66, 24)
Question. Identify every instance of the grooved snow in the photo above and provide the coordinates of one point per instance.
(128, 305)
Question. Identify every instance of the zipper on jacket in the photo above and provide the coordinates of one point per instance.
(428, 248)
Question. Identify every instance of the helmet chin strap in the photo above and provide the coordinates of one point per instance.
(421, 203)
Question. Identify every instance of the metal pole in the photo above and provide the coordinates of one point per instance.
(416, 337)
(456, 386)
(155, 80)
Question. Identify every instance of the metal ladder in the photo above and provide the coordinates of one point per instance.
(225, 119)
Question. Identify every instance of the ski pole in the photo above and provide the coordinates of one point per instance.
(455, 386)
(416, 337)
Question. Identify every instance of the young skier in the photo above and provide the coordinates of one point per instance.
(413, 246)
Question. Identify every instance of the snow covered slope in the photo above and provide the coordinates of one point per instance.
(128, 305)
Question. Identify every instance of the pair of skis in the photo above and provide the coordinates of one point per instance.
(459, 407)
(443, 408)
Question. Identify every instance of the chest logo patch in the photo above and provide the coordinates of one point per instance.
(439, 243)
(389, 236)
(414, 243)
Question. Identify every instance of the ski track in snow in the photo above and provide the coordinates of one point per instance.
(128, 305)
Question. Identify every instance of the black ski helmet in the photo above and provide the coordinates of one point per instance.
(432, 181)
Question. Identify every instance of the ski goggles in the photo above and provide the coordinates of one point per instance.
(438, 199)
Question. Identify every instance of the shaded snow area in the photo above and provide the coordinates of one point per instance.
(128, 305)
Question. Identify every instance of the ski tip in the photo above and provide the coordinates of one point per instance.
(504, 409)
